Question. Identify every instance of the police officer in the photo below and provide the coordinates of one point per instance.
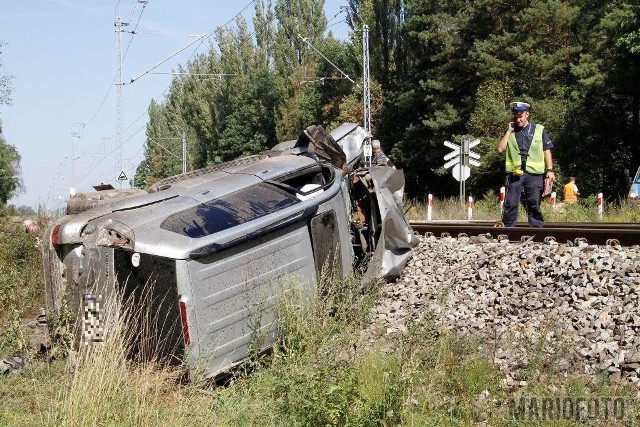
(527, 162)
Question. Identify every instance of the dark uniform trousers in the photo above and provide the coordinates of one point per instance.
(532, 187)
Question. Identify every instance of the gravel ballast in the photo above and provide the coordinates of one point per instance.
(575, 305)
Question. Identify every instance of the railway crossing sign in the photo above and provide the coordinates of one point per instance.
(122, 176)
(461, 158)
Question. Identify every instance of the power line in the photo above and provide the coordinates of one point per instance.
(200, 39)
(133, 33)
(125, 54)
(345, 75)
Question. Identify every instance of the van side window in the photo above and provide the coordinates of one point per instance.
(229, 211)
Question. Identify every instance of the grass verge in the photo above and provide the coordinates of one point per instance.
(324, 371)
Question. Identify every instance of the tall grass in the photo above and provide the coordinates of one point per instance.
(105, 387)
(331, 366)
(488, 209)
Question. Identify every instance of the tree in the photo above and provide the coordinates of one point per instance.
(5, 85)
(10, 180)
(24, 210)
(10, 170)
(432, 102)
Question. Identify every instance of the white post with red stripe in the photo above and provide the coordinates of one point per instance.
(470, 209)
(552, 199)
(600, 204)
(429, 207)
(502, 193)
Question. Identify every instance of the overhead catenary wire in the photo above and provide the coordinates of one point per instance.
(198, 74)
(104, 99)
(198, 39)
(133, 32)
(163, 147)
(345, 75)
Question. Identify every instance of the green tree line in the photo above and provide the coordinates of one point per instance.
(439, 71)
(10, 170)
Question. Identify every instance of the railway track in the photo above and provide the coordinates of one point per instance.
(601, 233)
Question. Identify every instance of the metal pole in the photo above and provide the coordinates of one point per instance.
(73, 162)
(366, 99)
(119, 24)
(465, 163)
(184, 152)
(461, 186)
(75, 135)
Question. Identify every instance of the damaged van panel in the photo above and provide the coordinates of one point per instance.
(207, 255)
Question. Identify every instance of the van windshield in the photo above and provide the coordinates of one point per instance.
(229, 211)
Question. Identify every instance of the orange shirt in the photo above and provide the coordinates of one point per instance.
(569, 193)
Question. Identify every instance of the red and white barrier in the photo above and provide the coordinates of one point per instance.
(429, 207)
(600, 204)
(552, 198)
(470, 209)
(502, 193)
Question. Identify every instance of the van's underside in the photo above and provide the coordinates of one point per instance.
(199, 263)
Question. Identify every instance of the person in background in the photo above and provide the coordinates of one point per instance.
(528, 161)
(378, 157)
(570, 191)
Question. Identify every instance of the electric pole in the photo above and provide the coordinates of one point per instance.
(184, 152)
(366, 98)
(119, 24)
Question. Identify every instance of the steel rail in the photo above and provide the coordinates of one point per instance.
(497, 224)
(623, 234)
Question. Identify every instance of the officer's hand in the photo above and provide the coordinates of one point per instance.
(551, 175)
(510, 126)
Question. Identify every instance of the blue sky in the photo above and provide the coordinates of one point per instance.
(63, 56)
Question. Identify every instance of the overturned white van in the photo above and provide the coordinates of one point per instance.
(206, 254)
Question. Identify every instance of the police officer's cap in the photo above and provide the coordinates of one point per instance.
(519, 107)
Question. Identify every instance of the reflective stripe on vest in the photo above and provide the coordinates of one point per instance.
(535, 157)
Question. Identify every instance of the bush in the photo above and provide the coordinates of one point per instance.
(21, 291)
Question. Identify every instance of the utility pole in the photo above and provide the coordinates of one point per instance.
(366, 98)
(74, 135)
(119, 24)
(184, 152)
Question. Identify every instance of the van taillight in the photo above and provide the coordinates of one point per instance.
(55, 235)
(185, 324)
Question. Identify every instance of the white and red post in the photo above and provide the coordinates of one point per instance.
(502, 193)
(470, 209)
(429, 207)
(552, 199)
(600, 205)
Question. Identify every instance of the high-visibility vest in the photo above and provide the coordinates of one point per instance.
(569, 193)
(535, 157)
